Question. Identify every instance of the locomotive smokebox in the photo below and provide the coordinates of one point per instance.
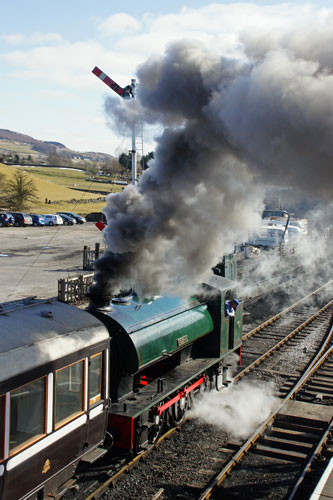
(99, 302)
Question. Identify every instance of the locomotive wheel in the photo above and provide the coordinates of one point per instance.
(202, 389)
(218, 381)
(178, 411)
(156, 430)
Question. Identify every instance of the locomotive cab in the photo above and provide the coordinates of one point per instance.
(227, 333)
(233, 325)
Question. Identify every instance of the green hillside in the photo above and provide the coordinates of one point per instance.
(61, 190)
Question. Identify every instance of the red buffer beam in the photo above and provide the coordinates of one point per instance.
(123, 92)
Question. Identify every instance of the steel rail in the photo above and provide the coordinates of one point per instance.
(315, 453)
(314, 365)
(285, 311)
(110, 481)
(283, 341)
(325, 436)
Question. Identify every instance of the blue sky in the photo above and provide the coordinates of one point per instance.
(48, 49)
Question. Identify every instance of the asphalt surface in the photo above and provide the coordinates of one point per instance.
(33, 259)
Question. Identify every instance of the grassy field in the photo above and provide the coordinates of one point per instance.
(60, 187)
(70, 178)
(19, 148)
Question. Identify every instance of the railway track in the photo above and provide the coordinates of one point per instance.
(293, 435)
(294, 327)
(196, 475)
(265, 304)
(285, 445)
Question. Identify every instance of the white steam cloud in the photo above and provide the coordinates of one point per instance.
(238, 409)
(312, 259)
(230, 128)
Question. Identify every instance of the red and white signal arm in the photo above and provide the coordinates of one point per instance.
(123, 92)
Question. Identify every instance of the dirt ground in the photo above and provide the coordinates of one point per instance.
(32, 259)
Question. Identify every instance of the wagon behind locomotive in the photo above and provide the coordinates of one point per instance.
(54, 361)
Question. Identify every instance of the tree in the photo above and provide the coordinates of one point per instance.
(55, 159)
(126, 161)
(67, 161)
(91, 168)
(21, 191)
(8, 159)
(3, 190)
(59, 160)
(112, 167)
(145, 159)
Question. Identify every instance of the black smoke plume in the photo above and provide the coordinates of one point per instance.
(229, 128)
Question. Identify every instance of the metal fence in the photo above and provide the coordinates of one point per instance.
(73, 290)
(89, 256)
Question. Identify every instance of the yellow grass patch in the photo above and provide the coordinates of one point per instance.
(14, 148)
(61, 196)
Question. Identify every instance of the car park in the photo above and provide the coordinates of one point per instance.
(6, 220)
(68, 221)
(79, 219)
(38, 220)
(21, 219)
(53, 220)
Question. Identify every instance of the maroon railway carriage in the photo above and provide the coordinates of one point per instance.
(54, 387)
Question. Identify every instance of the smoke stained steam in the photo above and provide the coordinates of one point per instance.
(230, 128)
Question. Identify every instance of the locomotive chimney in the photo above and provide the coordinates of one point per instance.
(99, 302)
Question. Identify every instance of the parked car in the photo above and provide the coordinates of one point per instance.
(21, 219)
(6, 220)
(68, 221)
(79, 219)
(52, 220)
(95, 217)
(38, 220)
(269, 237)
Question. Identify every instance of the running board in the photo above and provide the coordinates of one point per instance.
(93, 455)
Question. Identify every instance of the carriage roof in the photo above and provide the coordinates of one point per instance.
(44, 331)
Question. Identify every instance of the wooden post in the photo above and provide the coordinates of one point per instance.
(85, 252)
(97, 251)
(61, 284)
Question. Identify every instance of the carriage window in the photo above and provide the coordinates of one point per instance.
(2, 426)
(27, 414)
(69, 392)
(95, 378)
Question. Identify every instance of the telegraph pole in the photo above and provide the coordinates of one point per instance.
(133, 152)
